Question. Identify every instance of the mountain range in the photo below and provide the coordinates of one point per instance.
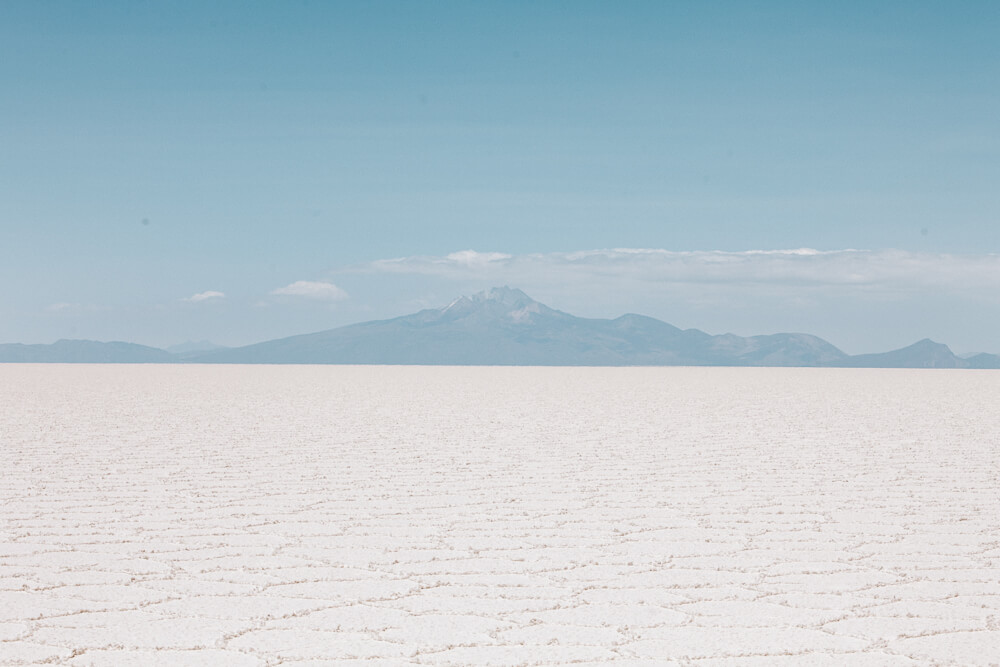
(505, 327)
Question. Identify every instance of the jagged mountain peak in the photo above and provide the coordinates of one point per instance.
(506, 295)
(504, 303)
(495, 296)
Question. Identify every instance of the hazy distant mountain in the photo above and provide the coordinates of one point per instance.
(922, 354)
(84, 351)
(983, 361)
(504, 326)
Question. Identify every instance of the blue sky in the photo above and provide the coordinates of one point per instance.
(278, 153)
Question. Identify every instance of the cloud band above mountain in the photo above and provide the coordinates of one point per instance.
(863, 269)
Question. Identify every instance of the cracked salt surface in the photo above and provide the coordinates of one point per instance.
(226, 515)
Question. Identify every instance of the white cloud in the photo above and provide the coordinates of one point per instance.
(320, 291)
(471, 258)
(61, 307)
(66, 307)
(463, 259)
(204, 296)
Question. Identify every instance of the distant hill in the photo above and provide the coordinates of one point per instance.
(983, 361)
(505, 327)
(922, 354)
(84, 351)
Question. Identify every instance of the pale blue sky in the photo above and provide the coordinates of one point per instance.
(150, 152)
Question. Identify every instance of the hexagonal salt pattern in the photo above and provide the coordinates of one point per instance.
(226, 515)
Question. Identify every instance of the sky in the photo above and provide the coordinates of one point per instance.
(240, 171)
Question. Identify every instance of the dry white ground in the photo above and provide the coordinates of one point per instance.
(186, 515)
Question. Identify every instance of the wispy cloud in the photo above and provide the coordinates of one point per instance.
(472, 259)
(321, 291)
(204, 296)
(66, 307)
(803, 267)
(463, 261)
(61, 307)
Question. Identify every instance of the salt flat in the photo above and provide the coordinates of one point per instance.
(228, 515)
